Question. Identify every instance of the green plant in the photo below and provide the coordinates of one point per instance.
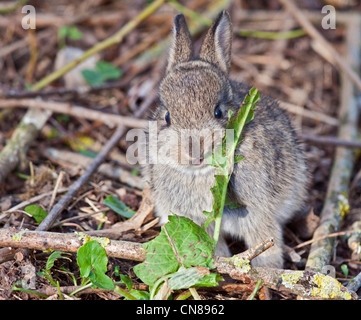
(36, 212)
(103, 71)
(50, 263)
(70, 32)
(224, 159)
(92, 260)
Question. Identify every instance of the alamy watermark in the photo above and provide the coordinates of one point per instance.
(329, 20)
(29, 20)
(176, 147)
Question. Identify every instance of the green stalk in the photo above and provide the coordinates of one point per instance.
(225, 162)
(13, 7)
(271, 35)
(255, 290)
(124, 293)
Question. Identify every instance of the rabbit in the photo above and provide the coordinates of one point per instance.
(269, 184)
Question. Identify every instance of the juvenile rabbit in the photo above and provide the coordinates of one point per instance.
(270, 182)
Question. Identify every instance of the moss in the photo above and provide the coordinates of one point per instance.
(101, 240)
(17, 236)
(242, 265)
(343, 205)
(290, 278)
(328, 288)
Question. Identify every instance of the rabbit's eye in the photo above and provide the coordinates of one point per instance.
(167, 118)
(218, 112)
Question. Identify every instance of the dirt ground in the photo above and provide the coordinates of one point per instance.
(288, 70)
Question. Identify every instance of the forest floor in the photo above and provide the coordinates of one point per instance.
(289, 70)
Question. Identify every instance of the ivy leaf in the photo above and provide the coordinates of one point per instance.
(180, 243)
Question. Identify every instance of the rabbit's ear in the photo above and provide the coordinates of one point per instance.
(216, 47)
(181, 47)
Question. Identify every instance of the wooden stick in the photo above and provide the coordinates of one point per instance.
(355, 283)
(318, 116)
(308, 284)
(330, 141)
(74, 110)
(336, 204)
(23, 135)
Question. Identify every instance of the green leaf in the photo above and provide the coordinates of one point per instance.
(107, 70)
(345, 270)
(93, 78)
(71, 32)
(119, 207)
(55, 255)
(36, 212)
(92, 261)
(74, 33)
(140, 294)
(101, 280)
(223, 168)
(103, 71)
(91, 255)
(193, 277)
(126, 280)
(180, 243)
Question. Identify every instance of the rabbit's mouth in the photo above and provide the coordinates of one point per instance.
(196, 169)
(199, 162)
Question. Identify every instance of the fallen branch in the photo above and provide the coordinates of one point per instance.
(355, 283)
(336, 205)
(74, 110)
(308, 284)
(318, 116)
(331, 141)
(17, 146)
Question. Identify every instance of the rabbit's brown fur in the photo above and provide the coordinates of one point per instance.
(270, 182)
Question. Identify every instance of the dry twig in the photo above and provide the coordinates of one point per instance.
(336, 204)
(74, 110)
(308, 284)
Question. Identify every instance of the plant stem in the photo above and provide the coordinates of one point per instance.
(255, 290)
(271, 35)
(13, 7)
(124, 293)
(224, 166)
(80, 289)
(195, 294)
